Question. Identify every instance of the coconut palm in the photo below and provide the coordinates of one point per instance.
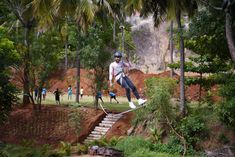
(170, 9)
(82, 11)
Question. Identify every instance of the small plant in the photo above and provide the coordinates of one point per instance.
(3, 154)
(222, 138)
(156, 134)
(75, 120)
(114, 140)
(82, 149)
(65, 148)
(27, 143)
(132, 144)
(101, 142)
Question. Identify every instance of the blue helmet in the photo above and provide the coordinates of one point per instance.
(118, 54)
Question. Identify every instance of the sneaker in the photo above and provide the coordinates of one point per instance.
(141, 101)
(132, 105)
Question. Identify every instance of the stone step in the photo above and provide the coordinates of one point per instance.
(111, 119)
(107, 122)
(88, 141)
(93, 138)
(113, 116)
(106, 125)
(94, 135)
(101, 128)
(99, 132)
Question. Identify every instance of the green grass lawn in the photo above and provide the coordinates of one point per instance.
(88, 101)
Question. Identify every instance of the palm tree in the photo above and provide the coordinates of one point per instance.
(83, 12)
(171, 9)
(23, 12)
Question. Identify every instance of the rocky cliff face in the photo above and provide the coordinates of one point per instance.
(151, 44)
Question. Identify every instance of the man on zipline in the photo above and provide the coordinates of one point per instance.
(116, 70)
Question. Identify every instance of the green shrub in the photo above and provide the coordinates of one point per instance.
(147, 153)
(227, 112)
(169, 85)
(65, 148)
(8, 57)
(131, 144)
(82, 149)
(21, 151)
(227, 90)
(159, 91)
(102, 142)
(169, 148)
(193, 129)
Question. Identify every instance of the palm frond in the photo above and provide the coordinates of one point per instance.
(44, 13)
(84, 13)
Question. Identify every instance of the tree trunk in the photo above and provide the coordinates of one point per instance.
(78, 70)
(66, 53)
(26, 67)
(114, 30)
(229, 36)
(182, 61)
(171, 47)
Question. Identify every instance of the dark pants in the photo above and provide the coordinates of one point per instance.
(126, 83)
(97, 98)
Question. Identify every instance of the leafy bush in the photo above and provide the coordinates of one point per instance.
(168, 83)
(227, 90)
(226, 109)
(82, 149)
(159, 91)
(21, 151)
(173, 147)
(65, 148)
(227, 112)
(132, 144)
(8, 57)
(193, 129)
(147, 153)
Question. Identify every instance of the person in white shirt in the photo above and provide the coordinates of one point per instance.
(116, 71)
(81, 92)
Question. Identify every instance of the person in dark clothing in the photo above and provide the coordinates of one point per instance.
(36, 93)
(112, 96)
(99, 96)
(57, 94)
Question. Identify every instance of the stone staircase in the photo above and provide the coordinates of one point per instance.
(103, 127)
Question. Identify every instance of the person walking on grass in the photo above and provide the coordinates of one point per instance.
(81, 92)
(70, 92)
(44, 93)
(99, 96)
(35, 93)
(57, 94)
(112, 95)
(116, 71)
